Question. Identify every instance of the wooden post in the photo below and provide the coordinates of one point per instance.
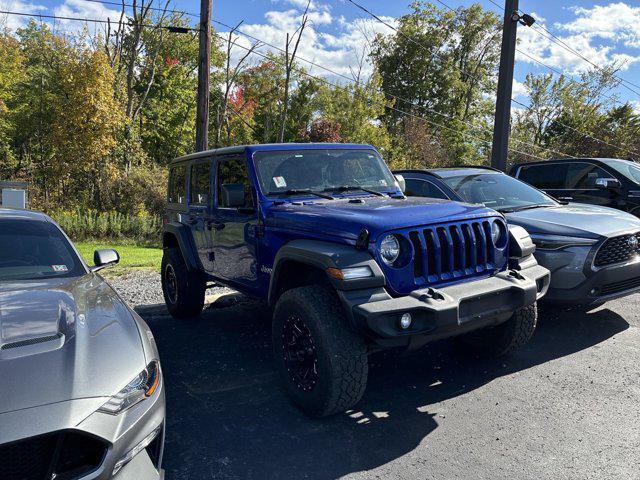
(204, 71)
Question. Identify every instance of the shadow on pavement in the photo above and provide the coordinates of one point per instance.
(229, 419)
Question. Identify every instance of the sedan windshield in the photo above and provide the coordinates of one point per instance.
(498, 191)
(31, 250)
(300, 172)
(631, 170)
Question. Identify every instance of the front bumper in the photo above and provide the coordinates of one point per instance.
(600, 286)
(447, 311)
(120, 433)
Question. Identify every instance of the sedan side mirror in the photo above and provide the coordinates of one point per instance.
(232, 195)
(402, 185)
(608, 183)
(103, 258)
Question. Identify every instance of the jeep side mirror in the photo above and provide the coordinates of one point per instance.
(232, 195)
(608, 183)
(402, 185)
(103, 258)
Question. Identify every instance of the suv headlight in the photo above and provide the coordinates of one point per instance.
(141, 387)
(557, 242)
(389, 249)
(498, 234)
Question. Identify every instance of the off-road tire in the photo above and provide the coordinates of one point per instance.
(506, 337)
(341, 355)
(186, 299)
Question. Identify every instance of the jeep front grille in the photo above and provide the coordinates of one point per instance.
(66, 454)
(455, 251)
(618, 250)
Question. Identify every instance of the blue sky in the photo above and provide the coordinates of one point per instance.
(604, 31)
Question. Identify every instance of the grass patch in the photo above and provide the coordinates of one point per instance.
(131, 256)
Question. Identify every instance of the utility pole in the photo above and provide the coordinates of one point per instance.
(502, 122)
(204, 70)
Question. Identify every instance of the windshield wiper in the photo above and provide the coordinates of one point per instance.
(351, 188)
(525, 207)
(302, 191)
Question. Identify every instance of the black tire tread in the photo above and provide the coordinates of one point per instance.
(348, 352)
(191, 286)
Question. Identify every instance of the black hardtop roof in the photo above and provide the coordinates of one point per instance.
(271, 147)
(572, 159)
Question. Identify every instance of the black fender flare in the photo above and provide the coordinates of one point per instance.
(185, 243)
(324, 255)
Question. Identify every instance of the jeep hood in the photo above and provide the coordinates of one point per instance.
(64, 339)
(575, 219)
(344, 217)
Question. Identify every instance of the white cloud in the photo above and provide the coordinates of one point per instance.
(340, 50)
(616, 21)
(636, 106)
(596, 33)
(519, 89)
(14, 21)
(81, 9)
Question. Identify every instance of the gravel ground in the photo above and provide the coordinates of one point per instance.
(565, 407)
(143, 287)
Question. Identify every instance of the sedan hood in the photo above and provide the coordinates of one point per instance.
(346, 217)
(575, 219)
(65, 339)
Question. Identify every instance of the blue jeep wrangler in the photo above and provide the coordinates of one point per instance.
(324, 234)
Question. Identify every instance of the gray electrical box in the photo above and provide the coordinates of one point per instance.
(12, 198)
(13, 194)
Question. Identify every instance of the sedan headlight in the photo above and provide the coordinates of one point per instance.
(141, 387)
(558, 242)
(389, 249)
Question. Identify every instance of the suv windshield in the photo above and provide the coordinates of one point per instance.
(631, 170)
(31, 250)
(497, 191)
(322, 170)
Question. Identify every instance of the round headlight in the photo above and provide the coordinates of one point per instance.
(497, 233)
(389, 249)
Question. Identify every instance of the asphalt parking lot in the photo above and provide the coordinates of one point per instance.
(565, 407)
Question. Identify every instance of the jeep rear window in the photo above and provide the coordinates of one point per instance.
(177, 185)
(321, 170)
(31, 250)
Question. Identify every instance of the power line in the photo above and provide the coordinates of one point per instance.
(553, 38)
(155, 9)
(95, 20)
(327, 82)
(603, 142)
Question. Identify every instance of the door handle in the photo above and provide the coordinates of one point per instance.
(565, 198)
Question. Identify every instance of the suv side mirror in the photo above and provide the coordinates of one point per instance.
(104, 258)
(232, 195)
(402, 185)
(608, 183)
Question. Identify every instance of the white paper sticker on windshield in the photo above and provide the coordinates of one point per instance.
(60, 268)
(383, 183)
(279, 181)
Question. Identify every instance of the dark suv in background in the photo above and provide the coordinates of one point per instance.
(608, 182)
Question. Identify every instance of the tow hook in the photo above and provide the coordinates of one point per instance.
(431, 293)
(515, 274)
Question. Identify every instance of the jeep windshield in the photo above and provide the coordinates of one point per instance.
(322, 171)
(34, 250)
(498, 191)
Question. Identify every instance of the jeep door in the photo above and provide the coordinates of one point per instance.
(234, 223)
(199, 211)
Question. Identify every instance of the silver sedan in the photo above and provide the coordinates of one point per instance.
(81, 388)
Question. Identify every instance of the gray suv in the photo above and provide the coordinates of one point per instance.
(593, 252)
(81, 390)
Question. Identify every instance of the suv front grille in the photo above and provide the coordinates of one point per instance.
(64, 455)
(455, 251)
(618, 250)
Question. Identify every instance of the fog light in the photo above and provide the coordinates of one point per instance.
(405, 321)
(127, 457)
